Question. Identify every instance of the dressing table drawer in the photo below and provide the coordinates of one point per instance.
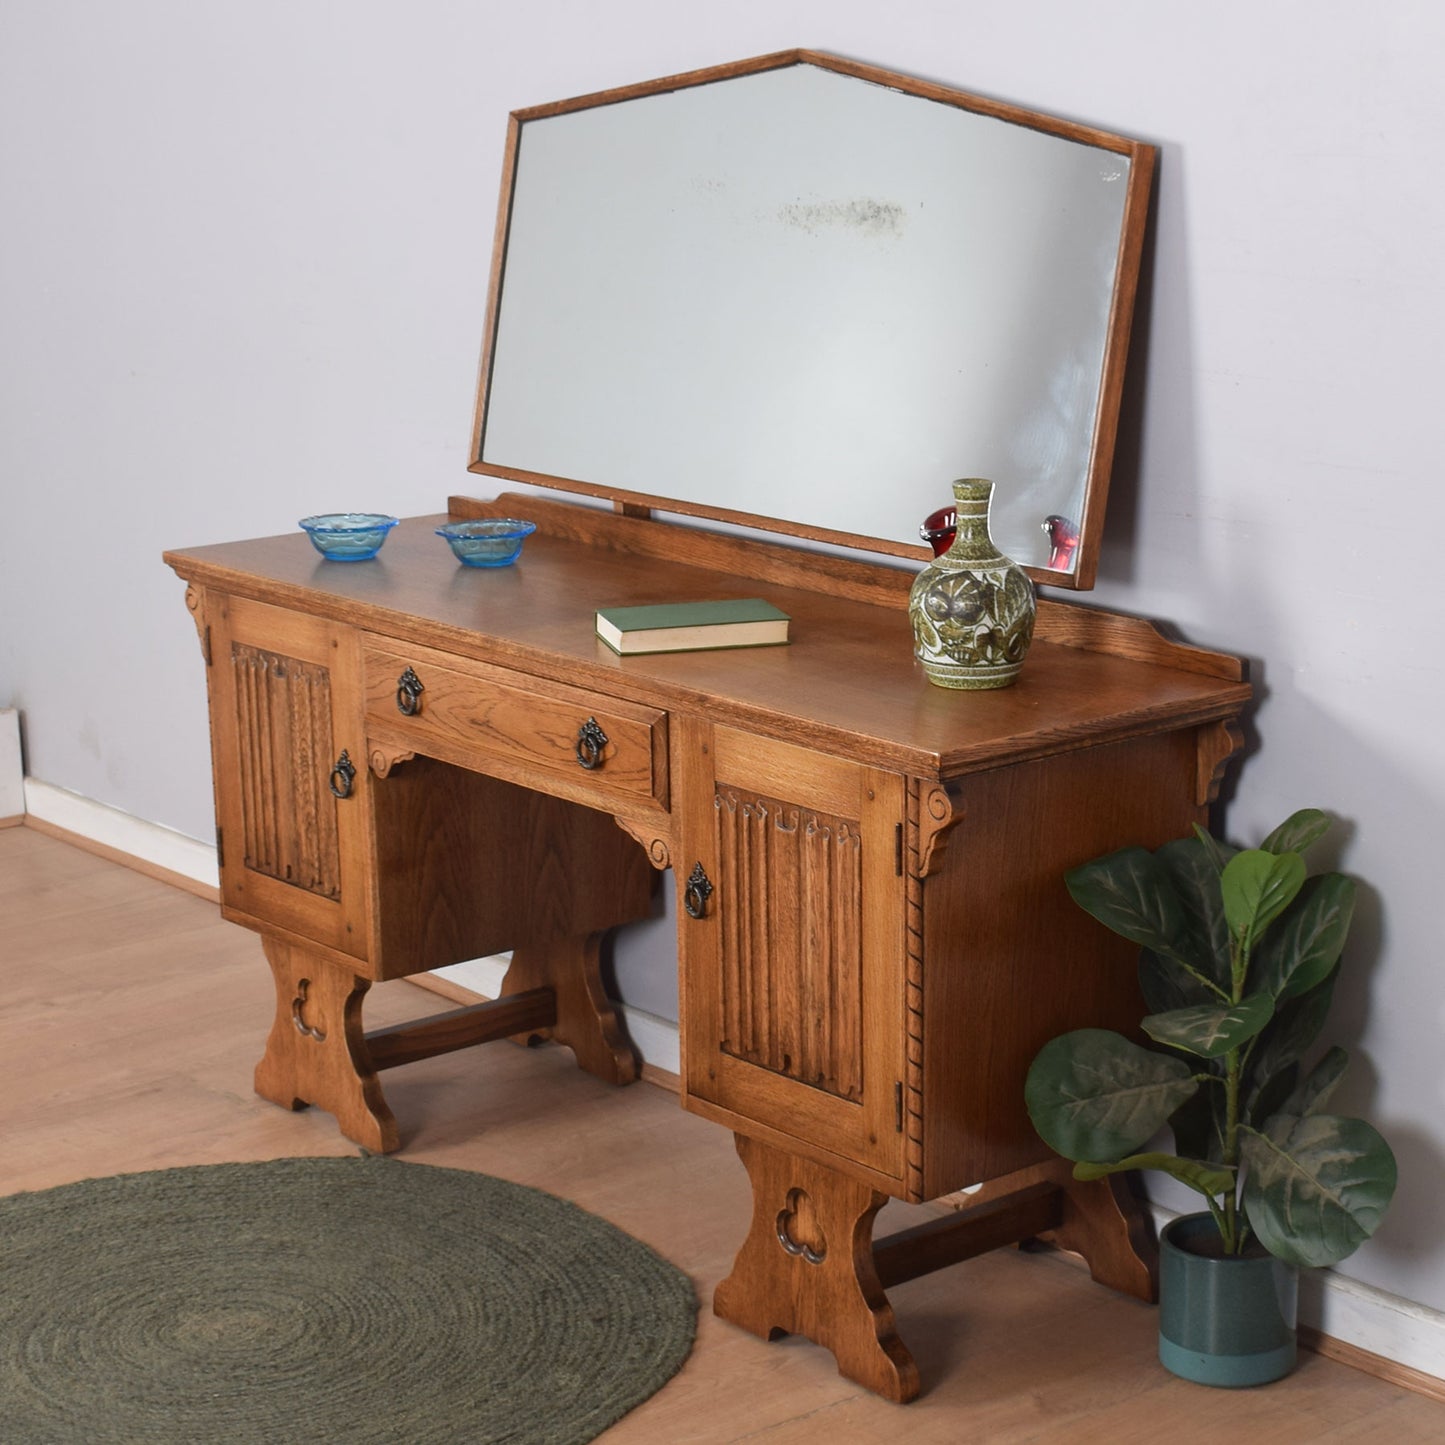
(605, 750)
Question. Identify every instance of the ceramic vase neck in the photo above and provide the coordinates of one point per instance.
(971, 540)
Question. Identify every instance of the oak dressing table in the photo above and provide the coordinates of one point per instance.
(418, 764)
(886, 940)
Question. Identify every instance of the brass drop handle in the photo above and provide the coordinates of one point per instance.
(699, 889)
(408, 693)
(590, 742)
(345, 770)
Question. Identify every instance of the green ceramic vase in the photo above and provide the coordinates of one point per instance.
(1223, 1320)
(972, 609)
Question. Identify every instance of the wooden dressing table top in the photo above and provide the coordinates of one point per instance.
(846, 683)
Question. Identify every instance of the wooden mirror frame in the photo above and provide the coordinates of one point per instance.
(1120, 317)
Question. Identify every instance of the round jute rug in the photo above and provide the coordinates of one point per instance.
(316, 1300)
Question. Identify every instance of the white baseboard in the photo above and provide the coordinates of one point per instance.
(148, 842)
(1356, 1314)
(12, 773)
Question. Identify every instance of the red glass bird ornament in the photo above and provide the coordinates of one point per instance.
(1063, 540)
(938, 529)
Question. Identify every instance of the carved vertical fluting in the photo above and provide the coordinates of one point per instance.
(816, 881)
(789, 887)
(834, 895)
(775, 951)
(253, 737)
(819, 1027)
(283, 721)
(729, 924)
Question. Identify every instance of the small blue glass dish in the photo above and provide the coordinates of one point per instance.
(347, 536)
(489, 542)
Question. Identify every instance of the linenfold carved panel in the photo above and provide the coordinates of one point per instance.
(790, 878)
(283, 727)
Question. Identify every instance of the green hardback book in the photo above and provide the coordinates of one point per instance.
(692, 626)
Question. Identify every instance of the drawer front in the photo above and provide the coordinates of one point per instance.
(496, 721)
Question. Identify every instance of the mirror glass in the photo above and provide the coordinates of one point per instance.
(807, 295)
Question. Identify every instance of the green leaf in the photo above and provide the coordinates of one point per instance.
(1094, 1095)
(1210, 1030)
(1195, 876)
(1208, 1179)
(1219, 852)
(1168, 985)
(1257, 887)
(1312, 1094)
(1132, 893)
(1297, 832)
(1317, 1187)
(1297, 1024)
(1309, 939)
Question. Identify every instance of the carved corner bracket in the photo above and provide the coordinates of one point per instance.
(1218, 742)
(939, 812)
(383, 758)
(196, 606)
(658, 849)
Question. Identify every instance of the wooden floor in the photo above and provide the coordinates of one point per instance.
(131, 1018)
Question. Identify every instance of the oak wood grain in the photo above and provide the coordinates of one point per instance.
(807, 1268)
(793, 976)
(316, 1051)
(1107, 1224)
(1009, 960)
(468, 865)
(585, 1020)
(470, 709)
(938, 1243)
(462, 1028)
(846, 684)
(285, 706)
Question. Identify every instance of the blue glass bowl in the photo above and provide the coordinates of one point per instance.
(490, 542)
(347, 536)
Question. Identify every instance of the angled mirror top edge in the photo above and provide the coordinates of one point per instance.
(805, 294)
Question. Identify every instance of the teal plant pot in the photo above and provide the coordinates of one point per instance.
(1223, 1320)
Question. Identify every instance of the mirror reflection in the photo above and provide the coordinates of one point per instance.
(806, 299)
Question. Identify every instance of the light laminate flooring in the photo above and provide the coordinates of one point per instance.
(131, 1018)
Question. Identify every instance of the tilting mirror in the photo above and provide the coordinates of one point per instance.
(805, 295)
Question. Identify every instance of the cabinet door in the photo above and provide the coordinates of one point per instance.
(793, 975)
(292, 819)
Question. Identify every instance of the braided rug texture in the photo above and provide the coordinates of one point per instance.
(317, 1300)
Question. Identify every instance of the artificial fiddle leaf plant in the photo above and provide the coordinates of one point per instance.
(1241, 950)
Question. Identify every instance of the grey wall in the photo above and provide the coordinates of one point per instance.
(242, 277)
